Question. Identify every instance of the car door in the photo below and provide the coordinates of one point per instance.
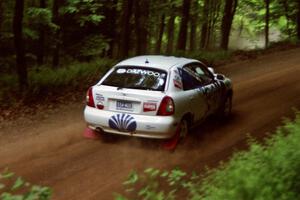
(195, 96)
(211, 87)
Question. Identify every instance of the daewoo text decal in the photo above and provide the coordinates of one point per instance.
(141, 71)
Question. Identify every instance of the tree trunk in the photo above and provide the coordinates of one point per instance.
(298, 21)
(204, 27)
(193, 25)
(170, 34)
(110, 19)
(19, 44)
(267, 17)
(124, 42)
(193, 29)
(182, 36)
(55, 11)
(285, 5)
(216, 5)
(229, 11)
(41, 41)
(141, 26)
(241, 28)
(1, 15)
(160, 35)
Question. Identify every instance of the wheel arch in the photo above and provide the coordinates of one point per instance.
(189, 117)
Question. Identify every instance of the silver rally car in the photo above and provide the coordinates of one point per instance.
(156, 97)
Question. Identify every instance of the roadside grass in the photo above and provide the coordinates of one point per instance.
(75, 76)
(45, 82)
(266, 171)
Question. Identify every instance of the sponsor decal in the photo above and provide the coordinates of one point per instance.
(99, 97)
(161, 81)
(141, 71)
(148, 106)
(177, 79)
(179, 71)
(202, 90)
(149, 127)
(100, 101)
(177, 83)
(121, 71)
(122, 122)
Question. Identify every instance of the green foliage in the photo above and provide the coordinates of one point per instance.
(93, 46)
(250, 17)
(77, 75)
(44, 81)
(39, 15)
(148, 185)
(15, 188)
(85, 11)
(37, 18)
(269, 171)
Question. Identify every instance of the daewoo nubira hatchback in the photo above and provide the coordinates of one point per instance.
(156, 97)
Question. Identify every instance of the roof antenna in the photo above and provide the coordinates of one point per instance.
(146, 62)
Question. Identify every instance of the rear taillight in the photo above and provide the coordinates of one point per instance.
(166, 107)
(89, 98)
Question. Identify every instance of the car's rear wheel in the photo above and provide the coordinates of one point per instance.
(183, 128)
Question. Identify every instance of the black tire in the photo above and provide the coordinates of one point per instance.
(184, 128)
(226, 108)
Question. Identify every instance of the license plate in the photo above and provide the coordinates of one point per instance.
(124, 105)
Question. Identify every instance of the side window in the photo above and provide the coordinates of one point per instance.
(203, 73)
(189, 79)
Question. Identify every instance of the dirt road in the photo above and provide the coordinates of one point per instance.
(51, 151)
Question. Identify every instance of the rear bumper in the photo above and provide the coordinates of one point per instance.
(159, 127)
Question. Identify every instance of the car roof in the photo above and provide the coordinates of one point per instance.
(156, 61)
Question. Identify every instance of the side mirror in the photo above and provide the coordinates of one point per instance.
(220, 77)
(211, 70)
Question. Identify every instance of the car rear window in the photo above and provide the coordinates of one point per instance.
(137, 78)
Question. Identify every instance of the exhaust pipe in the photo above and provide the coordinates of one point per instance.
(99, 130)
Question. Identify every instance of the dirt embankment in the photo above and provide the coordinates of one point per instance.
(50, 150)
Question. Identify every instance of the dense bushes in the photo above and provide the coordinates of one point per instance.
(45, 81)
(266, 172)
(74, 76)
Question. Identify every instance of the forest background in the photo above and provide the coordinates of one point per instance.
(47, 46)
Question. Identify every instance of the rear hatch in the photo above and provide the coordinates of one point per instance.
(128, 89)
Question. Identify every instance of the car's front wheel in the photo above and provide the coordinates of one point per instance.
(226, 108)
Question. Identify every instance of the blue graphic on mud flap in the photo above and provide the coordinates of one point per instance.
(122, 122)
